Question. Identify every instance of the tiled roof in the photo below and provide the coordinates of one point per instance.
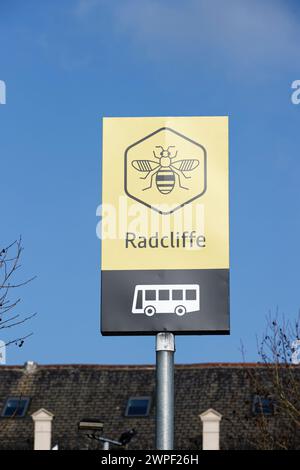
(143, 366)
(76, 391)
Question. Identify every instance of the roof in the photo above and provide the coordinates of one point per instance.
(72, 392)
(142, 366)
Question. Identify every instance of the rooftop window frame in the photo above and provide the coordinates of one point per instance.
(131, 398)
(27, 400)
(258, 397)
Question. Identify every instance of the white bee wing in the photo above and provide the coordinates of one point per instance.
(144, 165)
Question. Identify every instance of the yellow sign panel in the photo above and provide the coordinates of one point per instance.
(165, 193)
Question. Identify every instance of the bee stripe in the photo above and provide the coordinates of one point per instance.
(165, 180)
(169, 177)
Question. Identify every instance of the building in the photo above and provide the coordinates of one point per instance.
(123, 397)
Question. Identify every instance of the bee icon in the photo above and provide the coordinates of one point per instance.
(165, 169)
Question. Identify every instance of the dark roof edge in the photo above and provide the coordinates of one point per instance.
(140, 366)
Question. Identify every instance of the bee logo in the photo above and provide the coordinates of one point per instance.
(165, 170)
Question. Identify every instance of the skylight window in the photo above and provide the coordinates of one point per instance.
(138, 406)
(15, 407)
(263, 405)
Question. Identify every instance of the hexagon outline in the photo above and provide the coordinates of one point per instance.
(147, 137)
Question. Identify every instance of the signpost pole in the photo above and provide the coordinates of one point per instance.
(165, 348)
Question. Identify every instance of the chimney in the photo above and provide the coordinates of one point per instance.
(42, 429)
(30, 367)
(211, 429)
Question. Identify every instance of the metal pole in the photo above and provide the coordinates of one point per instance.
(165, 347)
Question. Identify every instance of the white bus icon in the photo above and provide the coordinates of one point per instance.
(162, 298)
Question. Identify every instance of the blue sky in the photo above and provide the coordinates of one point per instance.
(68, 63)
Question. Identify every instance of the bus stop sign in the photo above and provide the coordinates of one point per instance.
(164, 226)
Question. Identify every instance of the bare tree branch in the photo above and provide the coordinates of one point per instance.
(10, 264)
